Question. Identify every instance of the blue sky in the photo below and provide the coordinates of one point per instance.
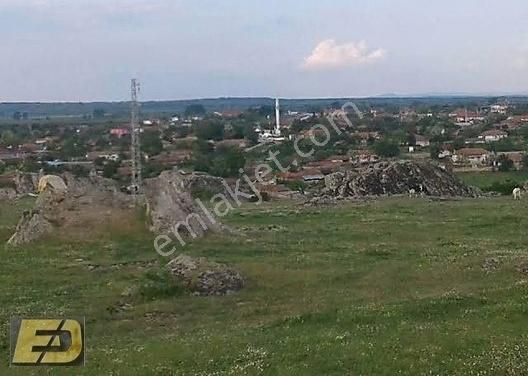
(83, 50)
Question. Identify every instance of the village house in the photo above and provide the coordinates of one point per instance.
(308, 175)
(327, 166)
(365, 137)
(464, 117)
(119, 132)
(229, 114)
(493, 135)
(473, 156)
(365, 156)
(499, 109)
(513, 122)
(422, 141)
(107, 155)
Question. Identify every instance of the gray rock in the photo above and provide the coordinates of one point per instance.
(169, 203)
(7, 194)
(26, 182)
(85, 202)
(205, 278)
(32, 226)
(393, 178)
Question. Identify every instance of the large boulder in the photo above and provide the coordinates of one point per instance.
(69, 202)
(203, 277)
(169, 203)
(32, 226)
(393, 178)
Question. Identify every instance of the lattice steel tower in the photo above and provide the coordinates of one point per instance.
(135, 148)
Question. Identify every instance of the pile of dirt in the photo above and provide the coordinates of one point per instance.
(169, 202)
(205, 278)
(69, 203)
(395, 178)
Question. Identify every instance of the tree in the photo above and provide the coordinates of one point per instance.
(210, 130)
(387, 149)
(195, 110)
(459, 143)
(251, 135)
(435, 151)
(227, 162)
(110, 169)
(73, 148)
(8, 138)
(505, 163)
(224, 162)
(525, 162)
(151, 143)
(98, 113)
(411, 139)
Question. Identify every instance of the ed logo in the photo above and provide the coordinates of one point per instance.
(44, 342)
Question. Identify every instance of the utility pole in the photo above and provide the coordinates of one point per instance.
(135, 148)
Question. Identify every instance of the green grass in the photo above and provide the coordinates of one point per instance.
(487, 179)
(379, 288)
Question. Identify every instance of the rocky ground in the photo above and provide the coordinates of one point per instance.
(395, 178)
(203, 277)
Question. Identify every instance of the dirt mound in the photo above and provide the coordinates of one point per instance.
(203, 277)
(393, 178)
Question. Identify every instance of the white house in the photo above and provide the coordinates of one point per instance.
(493, 135)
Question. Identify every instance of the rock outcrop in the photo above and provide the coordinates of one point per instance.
(169, 202)
(203, 277)
(68, 203)
(7, 194)
(26, 182)
(393, 178)
(200, 184)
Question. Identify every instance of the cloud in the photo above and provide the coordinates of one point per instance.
(329, 55)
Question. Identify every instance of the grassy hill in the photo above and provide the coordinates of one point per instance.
(376, 288)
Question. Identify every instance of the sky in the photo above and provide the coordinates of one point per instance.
(88, 50)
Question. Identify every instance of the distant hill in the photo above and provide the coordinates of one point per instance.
(220, 104)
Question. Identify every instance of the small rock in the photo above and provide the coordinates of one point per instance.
(491, 264)
(205, 278)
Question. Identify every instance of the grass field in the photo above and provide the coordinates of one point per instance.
(385, 287)
(484, 180)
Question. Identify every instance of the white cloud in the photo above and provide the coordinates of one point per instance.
(328, 55)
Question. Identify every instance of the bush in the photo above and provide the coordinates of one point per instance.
(503, 187)
(387, 149)
(505, 163)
